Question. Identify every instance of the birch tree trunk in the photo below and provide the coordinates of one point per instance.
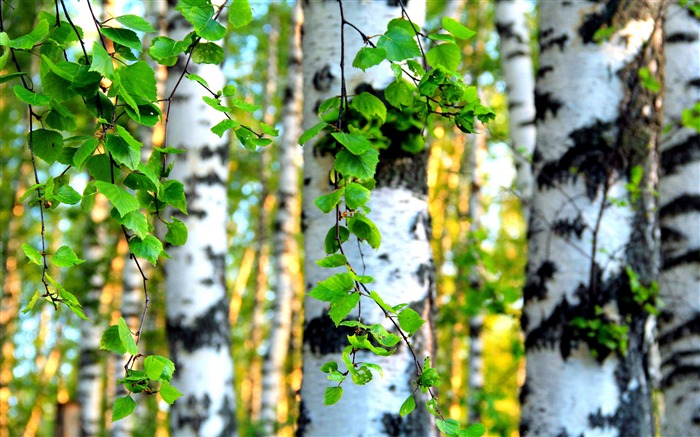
(679, 191)
(402, 266)
(516, 61)
(286, 250)
(199, 332)
(596, 125)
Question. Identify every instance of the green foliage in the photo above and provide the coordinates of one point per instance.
(602, 334)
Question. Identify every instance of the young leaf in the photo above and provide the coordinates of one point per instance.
(125, 37)
(332, 288)
(399, 44)
(476, 430)
(65, 257)
(134, 220)
(126, 337)
(329, 366)
(166, 50)
(356, 195)
(31, 303)
(408, 406)
(122, 407)
(30, 97)
(399, 95)
(369, 106)
(37, 35)
(153, 367)
(120, 198)
(47, 144)
(332, 395)
(177, 233)
(269, 130)
(173, 193)
(368, 57)
(240, 14)
(365, 229)
(355, 143)
(111, 342)
(148, 248)
(384, 337)
(410, 321)
(335, 260)
(135, 22)
(328, 202)
(223, 126)
(201, 15)
(169, 393)
(122, 152)
(168, 368)
(330, 244)
(66, 194)
(341, 306)
(456, 28)
(448, 55)
(33, 254)
(101, 61)
(208, 53)
(449, 427)
(360, 166)
(312, 132)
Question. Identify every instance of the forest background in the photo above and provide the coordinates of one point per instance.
(478, 239)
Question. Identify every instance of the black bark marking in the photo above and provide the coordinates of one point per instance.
(569, 227)
(559, 41)
(323, 79)
(211, 178)
(395, 3)
(595, 21)
(536, 287)
(384, 257)
(545, 102)
(210, 329)
(307, 181)
(304, 220)
(220, 151)
(683, 204)
(324, 338)
(591, 156)
(681, 37)
(226, 412)
(393, 424)
(218, 261)
(685, 330)
(686, 152)
(303, 420)
(544, 70)
(505, 30)
(526, 123)
(694, 83)
(517, 53)
(689, 257)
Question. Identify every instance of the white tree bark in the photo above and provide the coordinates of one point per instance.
(516, 61)
(197, 311)
(595, 123)
(402, 266)
(679, 191)
(286, 250)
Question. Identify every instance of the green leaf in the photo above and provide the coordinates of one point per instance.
(410, 321)
(63, 69)
(456, 28)
(242, 105)
(8, 77)
(148, 248)
(177, 233)
(476, 430)
(408, 406)
(33, 254)
(215, 103)
(65, 257)
(47, 144)
(399, 94)
(88, 201)
(138, 80)
(312, 132)
(449, 427)
(208, 53)
(399, 44)
(66, 194)
(32, 302)
(4, 44)
(384, 337)
(122, 407)
(153, 367)
(168, 368)
(201, 14)
(122, 152)
(120, 198)
(31, 97)
(648, 80)
(328, 202)
(240, 14)
(332, 395)
(369, 106)
(341, 306)
(331, 241)
(360, 166)
(223, 126)
(169, 393)
(101, 61)
(126, 337)
(365, 229)
(361, 342)
(368, 57)
(134, 220)
(166, 50)
(36, 36)
(196, 78)
(269, 130)
(448, 55)
(111, 342)
(173, 193)
(335, 260)
(334, 287)
(328, 366)
(135, 22)
(356, 195)
(125, 37)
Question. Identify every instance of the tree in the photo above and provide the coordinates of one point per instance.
(592, 246)
(197, 311)
(679, 211)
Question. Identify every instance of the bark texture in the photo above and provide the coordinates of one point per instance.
(516, 61)
(286, 228)
(596, 123)
(199, 332)
(402, 266)
(679, 191)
